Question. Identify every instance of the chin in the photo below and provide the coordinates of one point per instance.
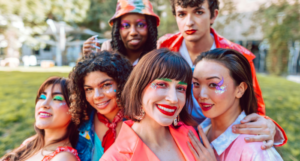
(41, 125)
(166, 122)
(192, 38)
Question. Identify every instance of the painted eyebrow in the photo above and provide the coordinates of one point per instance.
(165, 79)
(213, 78)
(125, 21)
(100, 82)
(182, 83)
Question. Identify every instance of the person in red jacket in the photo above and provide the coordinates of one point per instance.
(194, 19)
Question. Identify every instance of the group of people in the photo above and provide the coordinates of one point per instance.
(188, 96)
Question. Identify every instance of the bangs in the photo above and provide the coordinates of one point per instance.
(171, 66)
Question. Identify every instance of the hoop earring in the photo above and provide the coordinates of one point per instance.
(141, 115)
(176, 120)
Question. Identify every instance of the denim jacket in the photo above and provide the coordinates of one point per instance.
(85, 146)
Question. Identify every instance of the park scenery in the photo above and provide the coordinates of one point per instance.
(40, 39)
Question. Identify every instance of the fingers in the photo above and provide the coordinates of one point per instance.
(203, 136)
(268, 144)
(257, 138)
(251, 117)
(195, 143)
(252, 131)
(250, 125)
(195, 154)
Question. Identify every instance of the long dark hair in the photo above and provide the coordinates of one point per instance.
(113, 64)
(240, 71)
(159, 63)
(38, 141)
(118, 45)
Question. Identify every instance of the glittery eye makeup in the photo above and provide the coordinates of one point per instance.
(141, 23)
(58, 98)
(220, 88)
(43, 97)
(125, 25)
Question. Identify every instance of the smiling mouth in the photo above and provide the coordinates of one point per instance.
(206, 107)
(102, 105)
(166, 109)
(44, 115)
(134, 42)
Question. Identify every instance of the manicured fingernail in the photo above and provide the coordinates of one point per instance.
(263, 147)
(247, 139)
(234, 130)
(233, 127)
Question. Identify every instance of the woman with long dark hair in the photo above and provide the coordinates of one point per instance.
(223, 88)
(96, 85)
(56, 134)
(134, 30)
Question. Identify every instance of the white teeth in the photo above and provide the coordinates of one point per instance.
(102, 104)
(44, 114)
(207, 106)
(165, 109)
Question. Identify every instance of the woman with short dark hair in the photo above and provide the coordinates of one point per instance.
(155, 97)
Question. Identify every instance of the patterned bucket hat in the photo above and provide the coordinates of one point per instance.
(134, 6)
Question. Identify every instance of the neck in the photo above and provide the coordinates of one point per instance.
(55, 134)
(147, 129)
(133, 55)
(202, 45)
(110, 116)
(220, 123)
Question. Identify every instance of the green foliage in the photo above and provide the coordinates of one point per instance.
(18, 92)
(280, 22)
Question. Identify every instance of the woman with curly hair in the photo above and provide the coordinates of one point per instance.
(134, 30)
(96, 85)
(56, 133)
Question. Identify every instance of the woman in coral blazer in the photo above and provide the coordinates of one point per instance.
(155, 97)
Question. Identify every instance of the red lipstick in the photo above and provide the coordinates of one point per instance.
(190, 32)
(166, 109)
(206, 106)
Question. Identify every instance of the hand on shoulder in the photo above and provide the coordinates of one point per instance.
(106, 46)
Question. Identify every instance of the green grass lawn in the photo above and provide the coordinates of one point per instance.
(18, 91)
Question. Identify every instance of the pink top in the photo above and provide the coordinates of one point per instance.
(61, 149)
(128, 145)
(229, 146)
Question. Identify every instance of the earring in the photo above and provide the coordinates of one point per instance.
(176, 120)
(141, 115)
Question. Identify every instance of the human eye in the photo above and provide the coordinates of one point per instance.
(161, 84)
(212, 85)
(107, 85)
(141, 25)
(58, 98)
(88, 89)
(125, 26)
(196, 84)
(181, 14)
(181, 88)
(199, 12)
(42, 97)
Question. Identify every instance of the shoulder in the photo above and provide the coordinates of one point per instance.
(64, 156)
(167, 40)
(253, 151)
(113, 154)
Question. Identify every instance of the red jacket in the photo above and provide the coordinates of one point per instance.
(173, 42)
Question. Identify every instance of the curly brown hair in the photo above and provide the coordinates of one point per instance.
(213, 4)
(112, 63)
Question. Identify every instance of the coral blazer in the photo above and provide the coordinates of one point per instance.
(128, 145)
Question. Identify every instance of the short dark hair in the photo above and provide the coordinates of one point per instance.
(159, 63)
(240, 71)
(118, 45)
(213, 4)
(113, 64)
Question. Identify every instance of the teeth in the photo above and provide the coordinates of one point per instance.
(207, 105)
(101, 104)
(165, 109)
(135, 41)
(44, 114)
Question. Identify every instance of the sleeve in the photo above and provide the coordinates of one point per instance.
(270, 154)
(280, 136)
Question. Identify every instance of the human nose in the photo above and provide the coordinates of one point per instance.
(46, 104)
(98, 93)
(133, 31)
(203, 94)
(172, 96)
(190, 20)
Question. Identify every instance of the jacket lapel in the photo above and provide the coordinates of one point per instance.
(180, 136)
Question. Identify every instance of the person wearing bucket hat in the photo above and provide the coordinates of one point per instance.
(132, 24)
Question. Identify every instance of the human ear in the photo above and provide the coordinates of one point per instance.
(216, 13)
(240, 90)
